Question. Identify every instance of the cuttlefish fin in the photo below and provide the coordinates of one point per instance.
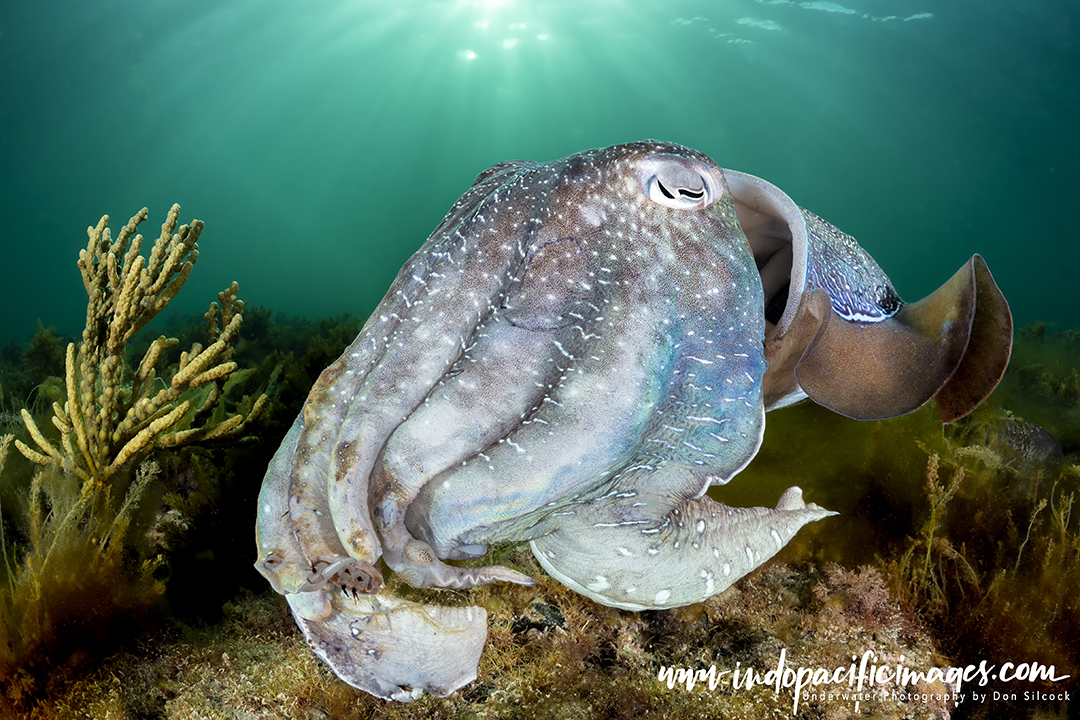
(392, 648)
(988, 350)
(875, 370)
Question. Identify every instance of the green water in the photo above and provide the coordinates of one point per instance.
(322, 141)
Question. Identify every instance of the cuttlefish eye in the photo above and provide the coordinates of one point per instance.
(672, 182)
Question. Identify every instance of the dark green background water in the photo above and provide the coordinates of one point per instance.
(322, 140)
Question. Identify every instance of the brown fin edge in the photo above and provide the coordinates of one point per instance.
(988, 349)
(954, 344)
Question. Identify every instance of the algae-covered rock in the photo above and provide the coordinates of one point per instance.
(552, 654)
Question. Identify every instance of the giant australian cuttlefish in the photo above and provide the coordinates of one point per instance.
(579, 350)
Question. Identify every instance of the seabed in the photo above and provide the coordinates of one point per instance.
(953, 546)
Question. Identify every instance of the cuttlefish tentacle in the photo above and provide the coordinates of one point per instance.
(281, 557)
(448, 291)
(442, 435)
(281, 560)
(310, 509)
(318, 446)
(618, 551)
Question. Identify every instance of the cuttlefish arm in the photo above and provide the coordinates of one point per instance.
(391, 648)
(865, 353)
(652, 541)
(317, 538)
(344, 525)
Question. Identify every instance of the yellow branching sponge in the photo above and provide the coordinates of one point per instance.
(83, 557)
(108, 420)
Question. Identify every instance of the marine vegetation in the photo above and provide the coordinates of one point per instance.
(995, 563)
(835, 591)
(105, 424)
(83, 557)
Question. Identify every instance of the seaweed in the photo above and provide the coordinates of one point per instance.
(80, 572)
(79, 535)
(954, 545)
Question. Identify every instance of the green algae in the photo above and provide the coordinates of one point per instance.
(79, 576)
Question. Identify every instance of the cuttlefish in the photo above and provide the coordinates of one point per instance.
(577, 353)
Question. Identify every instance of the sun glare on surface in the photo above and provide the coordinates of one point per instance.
(498, 25)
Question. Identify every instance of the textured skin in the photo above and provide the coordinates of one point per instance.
(572, 358)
